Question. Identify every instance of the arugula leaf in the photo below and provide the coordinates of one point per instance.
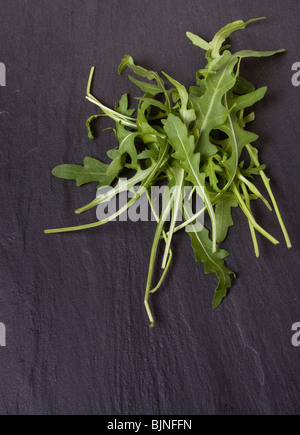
(128, 62)
(152, 90)
(224, 218)
(212, 262)
(92, 170)
(142, 176)
(148, 88)
(188, 115)
(199, 42)
(238, 136)
(88, 124)
(225, 32)
(242, 86)
(212, 169)
(248, 118)
(250, 53)
(113, 154)
(244, 101)
(126, 140)
(209, 108)
(116, 166)
(123, 106)
(148, 131)
(184, 146)
(148, 154)
(154, 103)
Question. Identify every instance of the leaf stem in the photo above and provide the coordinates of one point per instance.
(158, 232)
(99, 223)
(266, 182)
(282, 225)
(252, 230)
(251, 218)
(164, 274)
(112, 114)
(254, 190)
(118, 117)
(164, 235)
(177, 200)
(197, 215)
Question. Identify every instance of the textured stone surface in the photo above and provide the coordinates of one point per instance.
(78, 340)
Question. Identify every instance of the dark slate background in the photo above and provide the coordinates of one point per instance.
(78, 340)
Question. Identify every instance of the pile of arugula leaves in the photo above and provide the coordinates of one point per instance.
(189, 138)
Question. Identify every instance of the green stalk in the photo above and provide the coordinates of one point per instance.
(254, 190)
(99, 223)
(266, 182)
(177, 200)
(252, 230)
(156, 240)
(251, 218)
(164, 235)
(118, 117)
(198, 214)
(164, 272)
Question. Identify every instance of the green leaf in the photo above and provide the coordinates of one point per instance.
(123, 106)
(212, 262)
(116, 116)
(209, 108)
(93, 170)
(250, 53)
(148, 154)
(88, 124)
(146, 177)
(148, 88)
(128, 62)
(199, 42)
(239, 137)
(249, 118)
(212, 169)
(244, 101)
(242, 86)
(126, 140)
(147, 131)
(252, 171)
(188, 115)
(116, 166)
(154, 103)
(184, 145)
(225, 32)
(224, 218)
(196, 90)
(112, 154)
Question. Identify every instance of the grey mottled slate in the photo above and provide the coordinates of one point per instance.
(78, 340)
